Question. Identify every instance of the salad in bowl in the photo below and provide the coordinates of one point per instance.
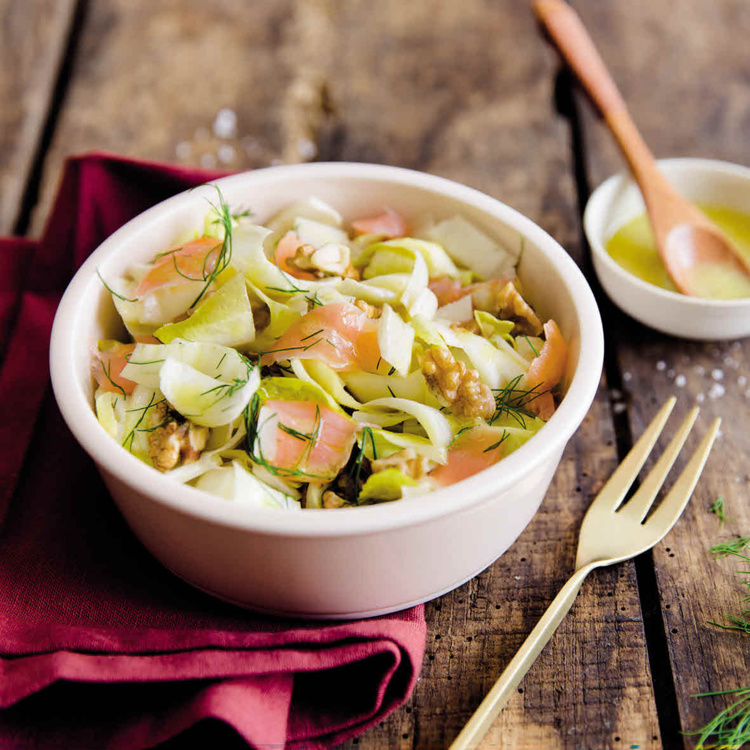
(316, 363)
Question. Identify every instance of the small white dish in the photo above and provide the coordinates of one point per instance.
(618, 200)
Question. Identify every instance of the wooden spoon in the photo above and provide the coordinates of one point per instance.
(685, 237)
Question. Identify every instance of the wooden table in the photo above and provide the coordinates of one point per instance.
(468, 90)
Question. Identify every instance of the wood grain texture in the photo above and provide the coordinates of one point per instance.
(151, 80)
(33, 37)
(462, 90)
(685, 77)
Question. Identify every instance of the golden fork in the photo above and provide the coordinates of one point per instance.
(610, 533)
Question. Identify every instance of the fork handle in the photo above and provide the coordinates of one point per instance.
(471, 735)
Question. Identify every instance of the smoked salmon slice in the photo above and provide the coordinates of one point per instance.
(339, 334)
(546, 370)
(108, 365)
(472, 452)
(193, 261)
(285, 251)
(389, 224)
(305, 437)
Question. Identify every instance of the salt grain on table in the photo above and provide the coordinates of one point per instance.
(717, 374)
(680, 381)
(700, 398)
(716, 391)
(226, 153)
(661, 365)
(251, 145)
(182, 150)
(225, 124)
(741, 381)
(306, 149)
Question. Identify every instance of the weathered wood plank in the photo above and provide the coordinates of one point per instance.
(189, 82)
(33, 39)
(463, 90)
(686, 84)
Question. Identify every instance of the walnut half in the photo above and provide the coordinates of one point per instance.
(406, 461)
(372, 311)
(333, 500)
(175, 441)
(331, 259)
(505, 301)
(457, 385)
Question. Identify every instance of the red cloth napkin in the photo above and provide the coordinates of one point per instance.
(100, 647)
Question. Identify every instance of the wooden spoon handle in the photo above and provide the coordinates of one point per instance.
(569, 35)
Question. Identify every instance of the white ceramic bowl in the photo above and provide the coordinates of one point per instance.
(319, 563)
(618, 200)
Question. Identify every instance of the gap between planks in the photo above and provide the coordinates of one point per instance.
(47, 122)
(568, 102)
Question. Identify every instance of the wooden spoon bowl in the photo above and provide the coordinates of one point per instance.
(687, 241)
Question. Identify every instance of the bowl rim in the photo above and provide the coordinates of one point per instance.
(111, 459)
(595, 210)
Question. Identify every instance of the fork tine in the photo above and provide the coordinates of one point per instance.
(617, 486)
(674, 503)
(638, 505)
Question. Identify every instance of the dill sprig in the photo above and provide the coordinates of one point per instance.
(739, 548)
(113, 292)
(513, 402)
(240, 213)
(147, 362)
(461, 432)
(298, 434)
(314, 436)
(737, 623)
(310, 335)
(107, 370)
(225, 390)
(533, 348)
(717, 508)
(224, 258)
(354, 467)
(130, 437)
(255, 452)
(496, 445)
(731, 727)
(300, 348)
(226, 218)
(293, 288)
(733, 547)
